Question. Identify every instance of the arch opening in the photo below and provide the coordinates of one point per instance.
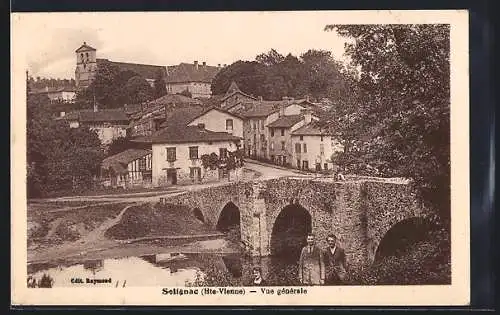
(229, 220)
(198, 214)
(289, 232)
(402, 235)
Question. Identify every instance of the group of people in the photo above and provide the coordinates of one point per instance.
(316, 266)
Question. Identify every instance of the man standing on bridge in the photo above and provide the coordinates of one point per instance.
(336, 267)
(311, 264)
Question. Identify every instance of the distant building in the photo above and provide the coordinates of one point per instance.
(87, 64)
(195, 78)
(219, 120)
(61, 94)
(234, 96)
(109, 124)
(126, 169)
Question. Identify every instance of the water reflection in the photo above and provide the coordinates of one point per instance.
(172, 269)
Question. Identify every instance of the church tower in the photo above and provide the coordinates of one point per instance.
(86, 65)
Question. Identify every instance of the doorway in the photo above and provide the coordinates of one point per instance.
(172, 176)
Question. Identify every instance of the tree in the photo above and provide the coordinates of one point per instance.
(138, 90)
(405, 84)
(249, 76)
(270, 59)
(160, 86)
(59, 158)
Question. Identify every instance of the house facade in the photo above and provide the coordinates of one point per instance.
(109, 124)
(195, 78)
(313, 147)
(217, 119)
(178, 151)
(130, 168)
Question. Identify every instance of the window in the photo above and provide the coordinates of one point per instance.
(282, 145)
(325, 166)
(282, 132)
(321, 138)
(305, 165)
(272, 132)
(297, 148)
(322, 149)
(262, 138)
(301, 138)
(298, 163)
(222, 152)
(142, 164)
(272, 146)
(262, 124)
(171, 155)
(305, 148)
(193, 153)
(229, 124)
(254, 125)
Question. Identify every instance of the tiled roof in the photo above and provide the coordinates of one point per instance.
(145, 71)
(311, 129)
(258, 109)
(234, 89)
(105, 115)
(174, 99)
(217, 109)
(84, 47)
(186, 134)
(286, 121)
(186, 72)
(120, 161)
(52, 90)
(182, 116)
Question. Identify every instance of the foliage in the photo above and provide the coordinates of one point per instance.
(112, 88)
(41, 83)
(138, 90)
(210, 161)
(399, 117)
(274, 76)
(54, 152)
(160, 86)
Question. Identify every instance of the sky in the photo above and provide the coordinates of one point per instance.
(169, 38)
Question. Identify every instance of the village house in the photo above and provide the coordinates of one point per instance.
(234, 96)
(280, 135)
(132, 167)
(313, 147)
(60, 94)
(220, 120)
(154, 113)
(177, 152)
(108, 123)
(195, 78)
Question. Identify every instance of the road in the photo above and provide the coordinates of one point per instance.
(265, 171)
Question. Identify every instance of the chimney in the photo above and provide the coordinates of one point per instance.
(204, 64)
(218, 66)
(85, 43)
(196, 64)
(307, 115)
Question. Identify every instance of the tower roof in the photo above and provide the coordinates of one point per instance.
(233, 88)
(84, 47)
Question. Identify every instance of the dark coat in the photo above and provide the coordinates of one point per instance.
(335, 264)
(311, 266)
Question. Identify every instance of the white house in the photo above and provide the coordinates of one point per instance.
(220, 120)
(313, 147)
(177, 153)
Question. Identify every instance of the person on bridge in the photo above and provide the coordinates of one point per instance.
(311, 264)
(335, 262)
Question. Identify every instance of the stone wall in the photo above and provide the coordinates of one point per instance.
(359, 213)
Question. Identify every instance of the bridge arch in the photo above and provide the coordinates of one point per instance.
(289, 231)
(400, 235)
(229, 218)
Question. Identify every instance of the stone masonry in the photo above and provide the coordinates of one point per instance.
(359, 212)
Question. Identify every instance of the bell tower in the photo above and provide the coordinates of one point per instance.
(86, 65)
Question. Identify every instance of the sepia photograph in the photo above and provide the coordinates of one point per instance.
(242, 154)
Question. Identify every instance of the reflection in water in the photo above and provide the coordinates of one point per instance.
(169, 270)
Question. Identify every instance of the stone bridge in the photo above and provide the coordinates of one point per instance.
(359, 212)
